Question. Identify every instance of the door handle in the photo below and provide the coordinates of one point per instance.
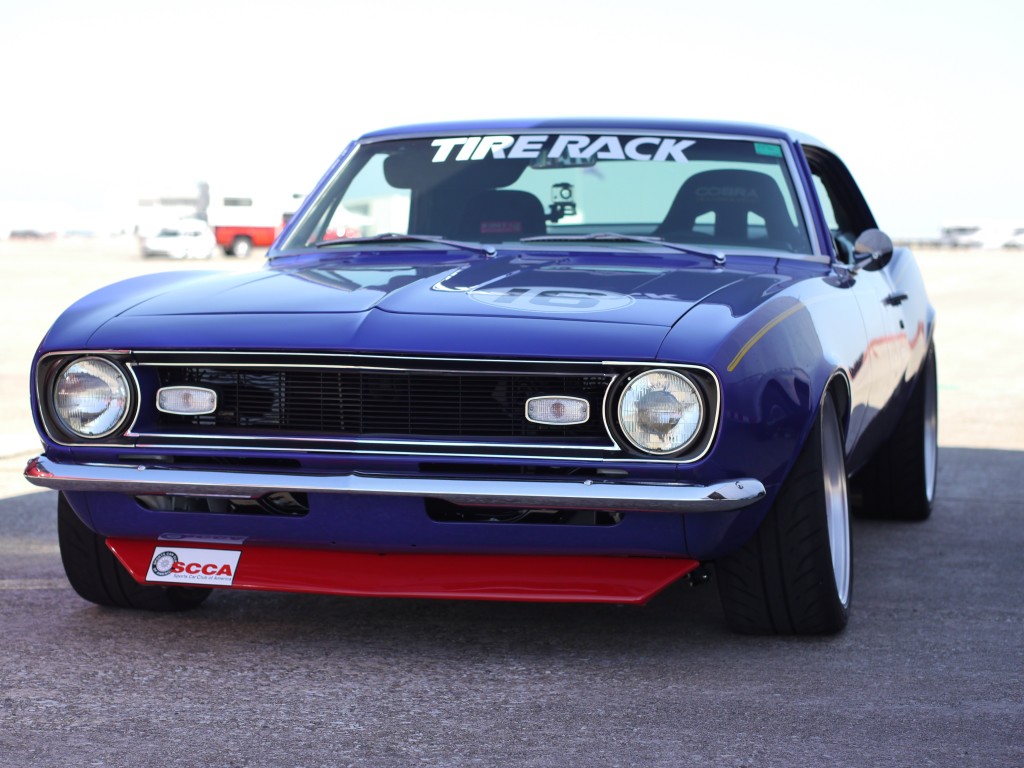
(895, 299)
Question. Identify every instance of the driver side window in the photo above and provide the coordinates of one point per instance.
(846, 212)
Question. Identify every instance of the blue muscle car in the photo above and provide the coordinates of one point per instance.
(566, 360)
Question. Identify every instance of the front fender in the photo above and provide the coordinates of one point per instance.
(77, 324)
(774, 363)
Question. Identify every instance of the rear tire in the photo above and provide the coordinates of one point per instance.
(98, 576)
(898, 482)
(794, 576)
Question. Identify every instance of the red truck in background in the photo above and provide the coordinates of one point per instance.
(243, 223)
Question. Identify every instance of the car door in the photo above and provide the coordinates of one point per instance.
(883, 361)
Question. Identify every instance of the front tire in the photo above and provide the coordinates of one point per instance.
(794, 576)
(98, 576)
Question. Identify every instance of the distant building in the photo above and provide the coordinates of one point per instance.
(983, 234)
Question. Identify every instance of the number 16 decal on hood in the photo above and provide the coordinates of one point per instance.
(558, 300)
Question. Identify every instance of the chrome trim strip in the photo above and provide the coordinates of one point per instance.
(156, 353)
(561, 494)
(265, 438)
(420, 455)
(333, 367)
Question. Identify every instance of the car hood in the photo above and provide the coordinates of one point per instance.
(533, 306)
(601, 291)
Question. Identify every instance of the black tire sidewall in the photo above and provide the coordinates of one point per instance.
(98, 576)
(782, 580)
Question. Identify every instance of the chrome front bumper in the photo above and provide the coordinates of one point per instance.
(559, 494)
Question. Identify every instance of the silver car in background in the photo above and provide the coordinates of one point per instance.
(182, 239)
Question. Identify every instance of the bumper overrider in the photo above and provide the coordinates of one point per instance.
(723, 496)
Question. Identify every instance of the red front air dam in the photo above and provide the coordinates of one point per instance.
(534, 578)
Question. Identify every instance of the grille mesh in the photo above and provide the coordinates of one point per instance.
(367, 403)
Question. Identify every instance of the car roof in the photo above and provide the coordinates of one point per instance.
(593, 124)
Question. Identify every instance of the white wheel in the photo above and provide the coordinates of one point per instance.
(931, 427)
(837, 504)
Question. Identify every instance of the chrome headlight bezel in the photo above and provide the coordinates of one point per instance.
(111, 373)
(685, 383)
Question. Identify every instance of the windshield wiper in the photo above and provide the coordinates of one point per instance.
(397, 237)
(615, 237)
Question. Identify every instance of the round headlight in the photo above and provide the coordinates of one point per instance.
(660, 411)
(91, 397)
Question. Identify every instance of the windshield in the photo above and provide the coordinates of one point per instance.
(734, 193)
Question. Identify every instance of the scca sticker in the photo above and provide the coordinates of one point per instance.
(571, 146)
(184, 565)
(557, 300)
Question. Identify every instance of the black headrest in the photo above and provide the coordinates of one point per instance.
(731, 195)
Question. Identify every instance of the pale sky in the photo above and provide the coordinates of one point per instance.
(103, 100)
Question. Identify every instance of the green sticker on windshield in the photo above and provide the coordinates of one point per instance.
(769, 150)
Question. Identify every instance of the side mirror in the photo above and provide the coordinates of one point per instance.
(872, 249)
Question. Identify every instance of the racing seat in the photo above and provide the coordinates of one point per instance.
(501, 214)
(731, 195)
